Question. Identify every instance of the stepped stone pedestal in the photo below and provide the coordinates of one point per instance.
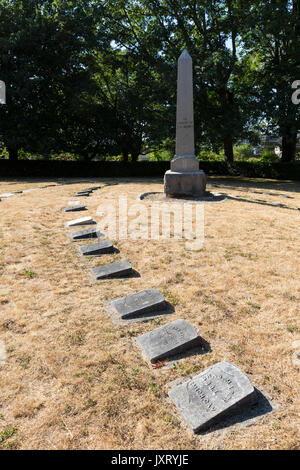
(185, 178)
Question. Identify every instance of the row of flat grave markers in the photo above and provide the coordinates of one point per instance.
(220, 391)
(113, 270)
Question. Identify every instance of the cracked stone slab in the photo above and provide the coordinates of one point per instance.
(97, 249)
(82, 221)
(117, 269)
(168, 340)
(85, 234)
(147, 302)
(220, 391)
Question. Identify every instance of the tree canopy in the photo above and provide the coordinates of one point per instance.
(98, 78)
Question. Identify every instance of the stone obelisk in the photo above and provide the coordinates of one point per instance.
(185, 178)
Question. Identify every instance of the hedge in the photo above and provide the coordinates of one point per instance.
(58, 168)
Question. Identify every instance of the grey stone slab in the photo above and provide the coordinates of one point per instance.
(117, 269)
(220, 391)
(86, 234)
(82, 221)
(143, 303)
(93, 188)
(75, 208)
(168, 340)
(97, 249)
(186, 163)
(30, 190)
(73, 203)
(185, 183)
(80, 194)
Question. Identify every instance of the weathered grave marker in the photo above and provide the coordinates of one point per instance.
(82, 221)
(93, 188)
(218, 392)
(146, 302)
(75, 208)
(168, 340)
(83, 194)
(84, 191)
(86, 234)
(118, 269)
(73, 203)
(97, 249)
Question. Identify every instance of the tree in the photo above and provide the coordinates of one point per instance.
(274, 39)
(134, 94)
(44, 52)
(135, 81)
(210, 30)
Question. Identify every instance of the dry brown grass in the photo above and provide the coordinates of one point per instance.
(75, 380)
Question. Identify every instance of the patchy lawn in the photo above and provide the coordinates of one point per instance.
(72, 379)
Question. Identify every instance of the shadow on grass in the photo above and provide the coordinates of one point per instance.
(261, 202)
(257, 183)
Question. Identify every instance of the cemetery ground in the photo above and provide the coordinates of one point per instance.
(70, 378)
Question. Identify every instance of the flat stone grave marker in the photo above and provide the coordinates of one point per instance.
(93, 188)
(73, 203)
(118, 269)
(29, 190)
(82, 194)
(218, 392)
(86, 234)
(84, 191)
(97, 249)
(168, 340)
(82, 221)
(148, 301)
(75, 208)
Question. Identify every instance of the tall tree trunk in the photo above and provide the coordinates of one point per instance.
(12, 154)
(228, 148)
(289, 142)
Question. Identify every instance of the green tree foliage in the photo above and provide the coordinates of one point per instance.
(273, 42)
(44, 58)
(98, 77)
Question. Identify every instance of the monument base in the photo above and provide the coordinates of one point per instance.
(185, 183)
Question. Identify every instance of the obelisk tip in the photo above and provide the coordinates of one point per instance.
(185, 55)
